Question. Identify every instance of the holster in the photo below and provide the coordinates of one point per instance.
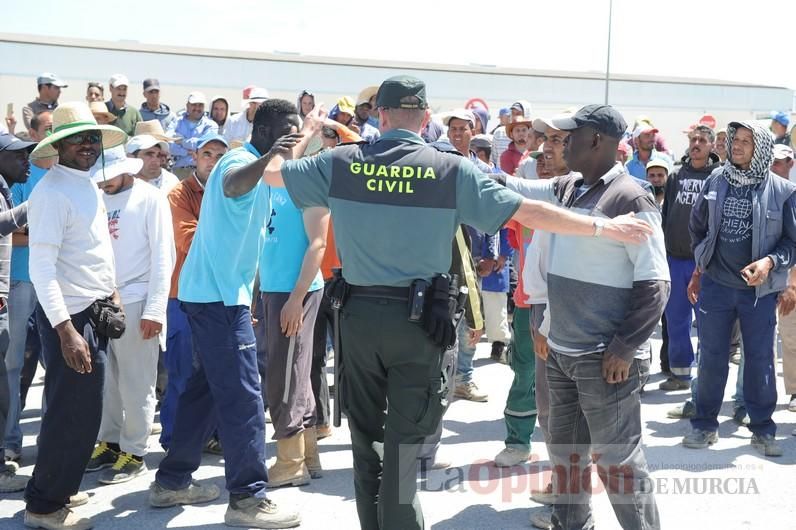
(337, 291)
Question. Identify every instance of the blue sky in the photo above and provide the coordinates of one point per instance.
(718, 39)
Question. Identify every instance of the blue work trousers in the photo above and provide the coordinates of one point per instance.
(679, 318)
(719, 307)
(224, 380)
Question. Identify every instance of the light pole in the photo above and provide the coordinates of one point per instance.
(608, 58)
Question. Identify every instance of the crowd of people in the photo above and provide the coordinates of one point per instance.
(188, 263)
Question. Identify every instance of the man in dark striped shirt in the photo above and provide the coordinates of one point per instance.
(14, 167)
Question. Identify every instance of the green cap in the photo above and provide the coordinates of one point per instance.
(394, 89)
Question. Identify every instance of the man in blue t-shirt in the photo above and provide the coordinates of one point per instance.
(215, 289)
(21, 296)
(292, 287)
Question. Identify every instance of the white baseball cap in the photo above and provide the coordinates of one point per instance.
(459, 114)
(118, 80)
(114, 162)
(145, 141)
(197, 97)
(643, 128)
(782, 151)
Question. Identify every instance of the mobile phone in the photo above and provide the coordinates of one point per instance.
(9, 110)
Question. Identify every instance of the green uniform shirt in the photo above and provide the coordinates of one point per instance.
(126, 118)
(396, 205)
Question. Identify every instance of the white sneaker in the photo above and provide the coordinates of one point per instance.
(512, 456)
(470, 392)
(62, 519)
(259, 513)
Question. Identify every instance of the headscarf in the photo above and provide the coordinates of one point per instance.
(762, 157)
(298, 101)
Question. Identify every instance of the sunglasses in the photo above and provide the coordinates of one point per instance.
(78, 139)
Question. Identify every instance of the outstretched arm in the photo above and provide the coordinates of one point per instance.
(543, 216)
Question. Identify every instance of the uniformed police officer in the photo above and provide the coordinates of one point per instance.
(396, 204)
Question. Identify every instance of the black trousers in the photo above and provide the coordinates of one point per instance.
(320, 386)
(74, 409)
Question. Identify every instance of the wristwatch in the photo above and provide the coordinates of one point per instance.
(598, 225)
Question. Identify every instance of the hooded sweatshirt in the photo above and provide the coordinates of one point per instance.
(682, 189)
(167, 119)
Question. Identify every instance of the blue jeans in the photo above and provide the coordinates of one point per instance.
(74, 410)
(464, 357)
(592, 418)
(719, 307)
(179, 365)
(678, 318)
(21, 304)
(226, 381)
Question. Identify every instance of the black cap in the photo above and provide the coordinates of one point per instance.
(9, 142)
(394, 89)
(603, 118)
(151, 84)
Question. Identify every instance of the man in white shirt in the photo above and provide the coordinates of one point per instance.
(239, 126)
(150, 150)
(139, 222)
(72, 269)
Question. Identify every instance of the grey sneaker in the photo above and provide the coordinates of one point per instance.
(102, 457)
(685, 411)
(699, 439)
(252, 512)
(512, 456)
(62, 519)
(10, 482)
(542, 518)
(673, 383)
(127, 467)
(470, 392)
(195, 493)
(791, 407)
(766, 445)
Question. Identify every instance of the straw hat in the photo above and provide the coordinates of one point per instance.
(72, 118)
(366, 95)
(153, 128)
(99, 109)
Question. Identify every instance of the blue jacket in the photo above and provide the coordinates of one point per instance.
(498, 282)
(773, 219)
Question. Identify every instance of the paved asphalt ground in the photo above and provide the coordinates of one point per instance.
(726, 487)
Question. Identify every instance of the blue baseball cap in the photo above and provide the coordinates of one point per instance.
(9, 142)
(781, 117)
(203, 141)
(505, 111)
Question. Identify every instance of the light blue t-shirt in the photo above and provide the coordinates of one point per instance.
(285, 245)
(222, 261)
(20, 256)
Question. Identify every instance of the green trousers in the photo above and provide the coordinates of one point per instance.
(393, 392)
(520, 412)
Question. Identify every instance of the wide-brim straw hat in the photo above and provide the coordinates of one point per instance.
(153, 128)
(520, 121)
(73, 118)
(98, 108)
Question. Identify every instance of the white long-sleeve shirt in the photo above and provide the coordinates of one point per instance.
(238, 127)
(139, 224)
(71, 257)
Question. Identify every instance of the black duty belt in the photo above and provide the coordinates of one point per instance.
(380, 291)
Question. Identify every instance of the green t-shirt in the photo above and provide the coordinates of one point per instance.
(126, 118)
(390, 229)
